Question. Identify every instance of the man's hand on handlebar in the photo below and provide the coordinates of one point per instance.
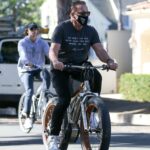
(58, 65)
(112, 64)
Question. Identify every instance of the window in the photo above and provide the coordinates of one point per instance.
(9, 53)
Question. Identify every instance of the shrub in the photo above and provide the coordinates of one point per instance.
(135, 87)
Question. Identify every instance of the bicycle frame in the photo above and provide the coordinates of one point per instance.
(38, 103)
(82, 97)
(85, 115)
(78, 102)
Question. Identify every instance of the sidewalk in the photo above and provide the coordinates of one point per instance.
(127, 112)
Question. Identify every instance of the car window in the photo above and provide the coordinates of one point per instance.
(9, 53)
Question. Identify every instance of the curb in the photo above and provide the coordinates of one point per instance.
(130, 119)
(126, 113)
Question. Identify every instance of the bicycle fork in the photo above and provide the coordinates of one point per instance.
(84, 117)
(83, 111)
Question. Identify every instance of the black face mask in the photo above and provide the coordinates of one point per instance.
(83, 20)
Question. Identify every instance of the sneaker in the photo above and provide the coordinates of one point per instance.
(23, 114)
(28, 123)
(53, 142)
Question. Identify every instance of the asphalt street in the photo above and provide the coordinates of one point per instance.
(123, 137)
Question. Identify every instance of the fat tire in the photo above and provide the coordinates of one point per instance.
(103, 114)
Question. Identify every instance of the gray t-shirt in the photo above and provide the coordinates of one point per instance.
(75, 44)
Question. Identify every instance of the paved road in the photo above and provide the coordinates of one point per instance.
(123, 137)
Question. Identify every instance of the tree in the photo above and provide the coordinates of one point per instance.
(22, 11)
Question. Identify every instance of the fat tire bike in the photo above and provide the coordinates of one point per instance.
(87, 117)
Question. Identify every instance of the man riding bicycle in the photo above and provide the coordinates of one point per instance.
(32, 51)
(71, 42)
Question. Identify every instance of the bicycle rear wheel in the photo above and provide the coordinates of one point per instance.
(98, 135)
(22, 118)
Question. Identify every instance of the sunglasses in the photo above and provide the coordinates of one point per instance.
(86, 13)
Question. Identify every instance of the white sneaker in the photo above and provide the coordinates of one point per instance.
(28, 123)
(53, 142)
(24, 114)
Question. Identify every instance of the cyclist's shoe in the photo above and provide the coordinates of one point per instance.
(28, 123)
(24, 114)
(53, 142)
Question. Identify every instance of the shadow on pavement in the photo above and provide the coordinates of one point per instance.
(130, 140)
(22, 141)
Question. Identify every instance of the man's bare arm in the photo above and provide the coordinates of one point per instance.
(53, 52)
(53, 55)
(102, 54)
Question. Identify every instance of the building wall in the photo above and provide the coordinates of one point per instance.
(98, 20)
(141, 48)
(118, 48)
(145, 47)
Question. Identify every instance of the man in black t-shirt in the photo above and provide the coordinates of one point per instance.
(71, 42)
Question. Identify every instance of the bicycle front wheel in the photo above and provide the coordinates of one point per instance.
(99, 127)
(22, 118)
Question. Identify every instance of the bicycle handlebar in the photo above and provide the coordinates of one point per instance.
(102, 67)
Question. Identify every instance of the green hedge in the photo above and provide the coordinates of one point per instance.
(135, 87)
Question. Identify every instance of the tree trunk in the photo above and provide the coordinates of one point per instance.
(62, 9)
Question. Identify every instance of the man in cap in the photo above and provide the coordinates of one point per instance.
(32, 51)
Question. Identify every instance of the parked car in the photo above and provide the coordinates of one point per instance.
(11, 87)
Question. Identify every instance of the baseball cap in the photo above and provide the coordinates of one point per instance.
(32, 26)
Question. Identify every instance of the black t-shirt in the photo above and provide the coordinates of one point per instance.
(75, 44)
